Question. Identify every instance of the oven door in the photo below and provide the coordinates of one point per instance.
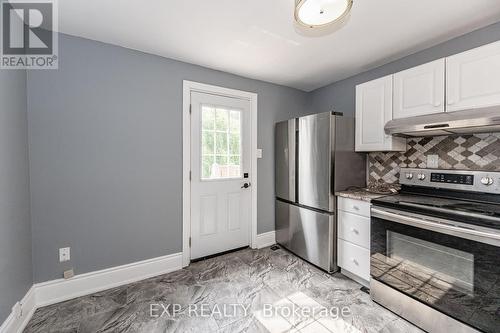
(449, 266)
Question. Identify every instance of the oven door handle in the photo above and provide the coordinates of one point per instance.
(483, 235)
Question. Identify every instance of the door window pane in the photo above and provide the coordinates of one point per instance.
(208, 138)
(221, 143)
(234, 160)
(221, 119)
(207, 163)
(234, 144)
(208, 117)
(235, 121)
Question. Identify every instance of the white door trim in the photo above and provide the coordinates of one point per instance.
(188, 87)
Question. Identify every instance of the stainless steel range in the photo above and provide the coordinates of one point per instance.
(435, 250)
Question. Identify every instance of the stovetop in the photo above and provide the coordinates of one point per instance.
(466, 196)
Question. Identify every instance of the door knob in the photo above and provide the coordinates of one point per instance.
(246, 185)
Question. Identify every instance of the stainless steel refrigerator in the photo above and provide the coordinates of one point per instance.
(314, 158)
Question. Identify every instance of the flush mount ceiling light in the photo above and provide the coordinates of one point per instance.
(321, 13)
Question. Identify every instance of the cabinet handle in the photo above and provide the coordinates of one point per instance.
(354, 261)
(355, 207)
(354, 231)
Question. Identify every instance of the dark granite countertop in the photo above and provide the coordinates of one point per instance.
(359, 194)
(374, 190)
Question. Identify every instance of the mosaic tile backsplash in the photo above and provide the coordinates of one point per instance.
(464, 152)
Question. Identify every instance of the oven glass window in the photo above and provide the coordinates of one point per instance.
(439, 268)
(456, 276)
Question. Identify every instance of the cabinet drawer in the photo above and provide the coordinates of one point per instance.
(354, 259)
(354, 206)
(354, 228)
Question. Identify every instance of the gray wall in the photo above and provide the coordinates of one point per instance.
(15, 229)
(106, 147)
(341, 95)
(106, 154)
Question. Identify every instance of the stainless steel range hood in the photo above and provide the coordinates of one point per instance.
(484, 120)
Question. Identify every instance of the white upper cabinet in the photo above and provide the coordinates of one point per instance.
(420, 90)
(373, 111)
(473, 78)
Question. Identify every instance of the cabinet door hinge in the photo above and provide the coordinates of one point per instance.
(189, 175)
(190, 108)
(189, 241)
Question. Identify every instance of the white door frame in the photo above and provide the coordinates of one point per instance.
(188, 87)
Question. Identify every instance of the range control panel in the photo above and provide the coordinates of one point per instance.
(452, 178)
(476, 181)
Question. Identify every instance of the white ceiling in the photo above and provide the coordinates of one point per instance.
(258, 38)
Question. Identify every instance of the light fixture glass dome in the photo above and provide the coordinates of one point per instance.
(318, 13)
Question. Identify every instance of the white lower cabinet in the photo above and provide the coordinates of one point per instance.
(355, 259)
(358, 207)
(354, 228)
(354, 239)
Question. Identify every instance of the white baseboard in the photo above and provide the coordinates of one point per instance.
(21, 314)
(356, 278)
(266, 239)
(60, 290)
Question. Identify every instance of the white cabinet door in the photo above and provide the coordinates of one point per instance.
(354, 206)
(373, 111)
(354, 259)
(354, 228)
(473, 78)
(420, 90)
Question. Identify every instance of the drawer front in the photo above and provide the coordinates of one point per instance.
(354, 206)
(354, 228)
(355, 259)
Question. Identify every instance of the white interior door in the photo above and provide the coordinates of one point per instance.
(220, 174)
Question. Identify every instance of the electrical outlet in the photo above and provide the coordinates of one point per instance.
(64, 254)
(69, 274)
(432, 161)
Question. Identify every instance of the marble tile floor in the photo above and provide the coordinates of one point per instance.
(244, 291)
